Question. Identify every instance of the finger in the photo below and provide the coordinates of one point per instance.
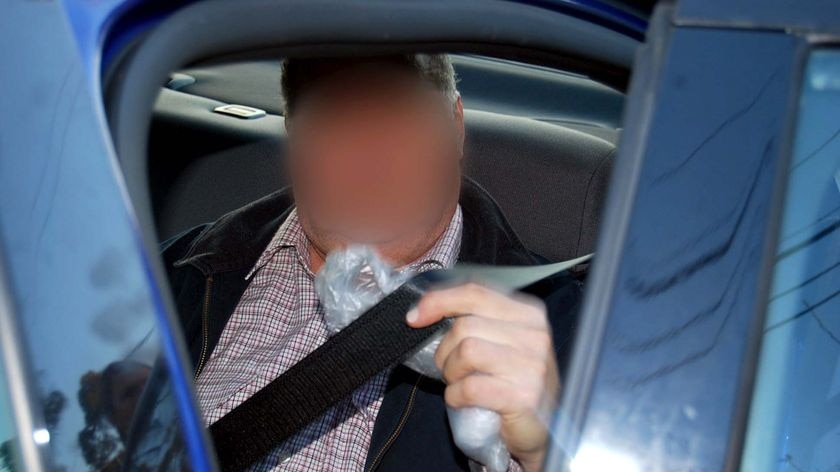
(478, 300)
(491, 392)
(524, 423)
(534, 341)
(476, 355)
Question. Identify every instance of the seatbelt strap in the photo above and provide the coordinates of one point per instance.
(378, 340)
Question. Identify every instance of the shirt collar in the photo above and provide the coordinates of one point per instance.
(442, 254)
(289, 235)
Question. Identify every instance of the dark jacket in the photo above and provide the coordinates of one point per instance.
(207, 267)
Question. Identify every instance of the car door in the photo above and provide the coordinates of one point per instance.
(677, 303)
(722, 250)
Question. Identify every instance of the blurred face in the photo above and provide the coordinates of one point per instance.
(374, 158)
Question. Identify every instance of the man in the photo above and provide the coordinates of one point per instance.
(374, 153)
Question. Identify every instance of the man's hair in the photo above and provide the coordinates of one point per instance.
(297, 74)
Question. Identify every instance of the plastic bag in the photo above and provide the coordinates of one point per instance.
(355, 279)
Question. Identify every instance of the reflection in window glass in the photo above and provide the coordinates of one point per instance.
(794, 420)
(9, 458)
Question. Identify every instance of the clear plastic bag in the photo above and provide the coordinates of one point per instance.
(355, 279)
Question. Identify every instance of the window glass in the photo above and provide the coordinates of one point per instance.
(794, 422)
(89, 313)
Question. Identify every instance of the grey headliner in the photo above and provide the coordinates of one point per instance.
(486, 84)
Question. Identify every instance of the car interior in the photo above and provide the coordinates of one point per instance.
(199, 129)
(541, 141)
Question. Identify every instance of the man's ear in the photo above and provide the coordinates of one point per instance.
(459, 122)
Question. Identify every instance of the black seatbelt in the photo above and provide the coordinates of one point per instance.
(378, 340)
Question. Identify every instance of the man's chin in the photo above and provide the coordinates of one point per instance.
(368, 236)
(372, 230)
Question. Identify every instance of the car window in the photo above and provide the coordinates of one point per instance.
(93, 328)
(794, 422)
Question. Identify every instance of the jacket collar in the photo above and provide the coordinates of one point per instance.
(237, 239)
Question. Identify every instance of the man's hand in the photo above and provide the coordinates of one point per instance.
(497, 355)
